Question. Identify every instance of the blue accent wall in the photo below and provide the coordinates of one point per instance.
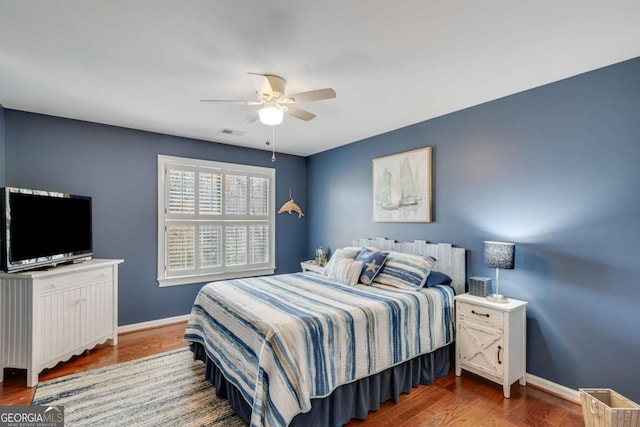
(117, 167)
(555, 169)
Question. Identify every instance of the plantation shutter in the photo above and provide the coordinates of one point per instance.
(258, 244)
(210, 193)
(217, 220)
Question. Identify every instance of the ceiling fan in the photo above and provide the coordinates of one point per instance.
(270, 92)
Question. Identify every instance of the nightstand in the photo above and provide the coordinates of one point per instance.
(311, 265)
(491, 339)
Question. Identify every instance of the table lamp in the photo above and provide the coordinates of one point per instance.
(499, 255)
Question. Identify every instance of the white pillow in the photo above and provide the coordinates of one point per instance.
(345, 270)
(348, 253)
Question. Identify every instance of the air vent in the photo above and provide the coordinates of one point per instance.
(231, 132)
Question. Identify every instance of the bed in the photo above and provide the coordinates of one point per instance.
(307, 349)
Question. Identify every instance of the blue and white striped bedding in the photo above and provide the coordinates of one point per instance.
(282, 340)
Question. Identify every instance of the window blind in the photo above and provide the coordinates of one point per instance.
(215, 220)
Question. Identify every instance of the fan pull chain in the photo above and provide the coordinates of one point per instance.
(273, 144)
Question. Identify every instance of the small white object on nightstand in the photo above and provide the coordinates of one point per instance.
(491, 339)
(311, 266)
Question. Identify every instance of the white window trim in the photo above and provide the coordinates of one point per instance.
(163, 161)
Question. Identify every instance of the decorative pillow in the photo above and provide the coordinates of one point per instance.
(348, 253)
(345, 270)
(372, 263)
(437, 278)
(405, 271)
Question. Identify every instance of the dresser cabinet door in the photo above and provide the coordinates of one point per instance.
(97, 311)
(482, 348)
(57, 316)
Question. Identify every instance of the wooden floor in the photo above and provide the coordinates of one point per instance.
(452, 401)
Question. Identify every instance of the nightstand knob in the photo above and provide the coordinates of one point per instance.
(499, 350)
(481, 314)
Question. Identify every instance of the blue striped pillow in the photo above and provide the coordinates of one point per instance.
(405, 271)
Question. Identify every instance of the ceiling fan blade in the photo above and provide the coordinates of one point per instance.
(260, 83)
(313, 95)
(251, 117)
(227, 101)
(267, 84)
(300, 113)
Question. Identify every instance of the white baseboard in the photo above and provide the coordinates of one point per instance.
(152, 324)
(553, 388)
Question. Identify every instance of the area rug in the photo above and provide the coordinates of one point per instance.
(167, 389)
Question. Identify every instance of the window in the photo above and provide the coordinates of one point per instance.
(215, 220)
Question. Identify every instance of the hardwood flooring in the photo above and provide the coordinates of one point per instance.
(452, 401)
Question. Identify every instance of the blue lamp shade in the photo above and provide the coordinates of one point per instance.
(499, 255)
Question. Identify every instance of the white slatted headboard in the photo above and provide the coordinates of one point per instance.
(450, 259)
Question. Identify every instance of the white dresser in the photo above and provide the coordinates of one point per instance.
(491, 339)
(50, 315)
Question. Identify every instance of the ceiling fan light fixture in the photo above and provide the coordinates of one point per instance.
(271, 116)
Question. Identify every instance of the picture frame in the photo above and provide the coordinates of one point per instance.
(402, 187)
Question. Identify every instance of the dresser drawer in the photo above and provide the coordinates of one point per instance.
(481, 314)
(69, 281)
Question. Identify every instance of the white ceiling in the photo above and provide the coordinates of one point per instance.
(145, 64)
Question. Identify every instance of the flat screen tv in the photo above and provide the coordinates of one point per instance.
(43, 228)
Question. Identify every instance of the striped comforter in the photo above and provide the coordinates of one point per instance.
(282, 340)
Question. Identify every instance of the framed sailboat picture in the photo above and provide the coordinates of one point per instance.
(402, 187)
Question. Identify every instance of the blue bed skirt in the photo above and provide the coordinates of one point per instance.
(353, 400)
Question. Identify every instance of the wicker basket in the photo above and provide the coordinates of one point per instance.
(603, 407)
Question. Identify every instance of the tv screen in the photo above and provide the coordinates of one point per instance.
(44, 228)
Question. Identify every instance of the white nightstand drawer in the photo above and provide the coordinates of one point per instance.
(482, 314)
